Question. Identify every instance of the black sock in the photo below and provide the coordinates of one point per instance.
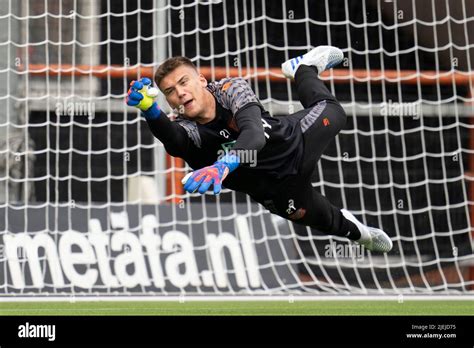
(349, 229)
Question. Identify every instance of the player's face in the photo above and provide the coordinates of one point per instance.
(184, 89)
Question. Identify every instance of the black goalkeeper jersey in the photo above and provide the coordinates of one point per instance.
(201, 145)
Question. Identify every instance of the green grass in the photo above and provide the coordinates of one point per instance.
(409, 307)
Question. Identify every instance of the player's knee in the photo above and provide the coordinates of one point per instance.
(336, 117)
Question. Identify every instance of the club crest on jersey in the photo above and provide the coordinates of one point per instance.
(293, 213)
(226, 86)
(299, 214)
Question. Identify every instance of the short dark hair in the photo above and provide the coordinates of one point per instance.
(169, 65)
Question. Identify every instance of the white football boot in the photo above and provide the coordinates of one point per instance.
(372, 238)
(322, 57)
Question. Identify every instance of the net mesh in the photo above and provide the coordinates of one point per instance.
(92, 204)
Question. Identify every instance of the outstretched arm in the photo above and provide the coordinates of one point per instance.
(171, 134)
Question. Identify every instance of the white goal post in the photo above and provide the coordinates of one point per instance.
(92, 206)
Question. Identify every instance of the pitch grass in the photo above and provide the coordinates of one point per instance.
(408, 307)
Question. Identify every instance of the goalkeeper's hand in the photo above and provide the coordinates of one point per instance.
(141, 95)
(203, 178)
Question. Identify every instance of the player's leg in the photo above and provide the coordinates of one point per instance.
(325, 117)
(319, 130)
(325, 217)
(295, 199)
(311, 90)
(305, 70)
(321, 215)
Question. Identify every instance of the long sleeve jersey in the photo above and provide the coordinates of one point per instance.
(241, 124)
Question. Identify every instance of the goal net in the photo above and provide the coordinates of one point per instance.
(91, 204)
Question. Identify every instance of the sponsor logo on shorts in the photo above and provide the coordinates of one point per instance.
(299, 214)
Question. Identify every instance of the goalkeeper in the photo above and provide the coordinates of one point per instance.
(223, 132)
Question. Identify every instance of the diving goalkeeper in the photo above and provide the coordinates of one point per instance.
(219, 125)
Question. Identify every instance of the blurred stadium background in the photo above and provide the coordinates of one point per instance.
(92, 207)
